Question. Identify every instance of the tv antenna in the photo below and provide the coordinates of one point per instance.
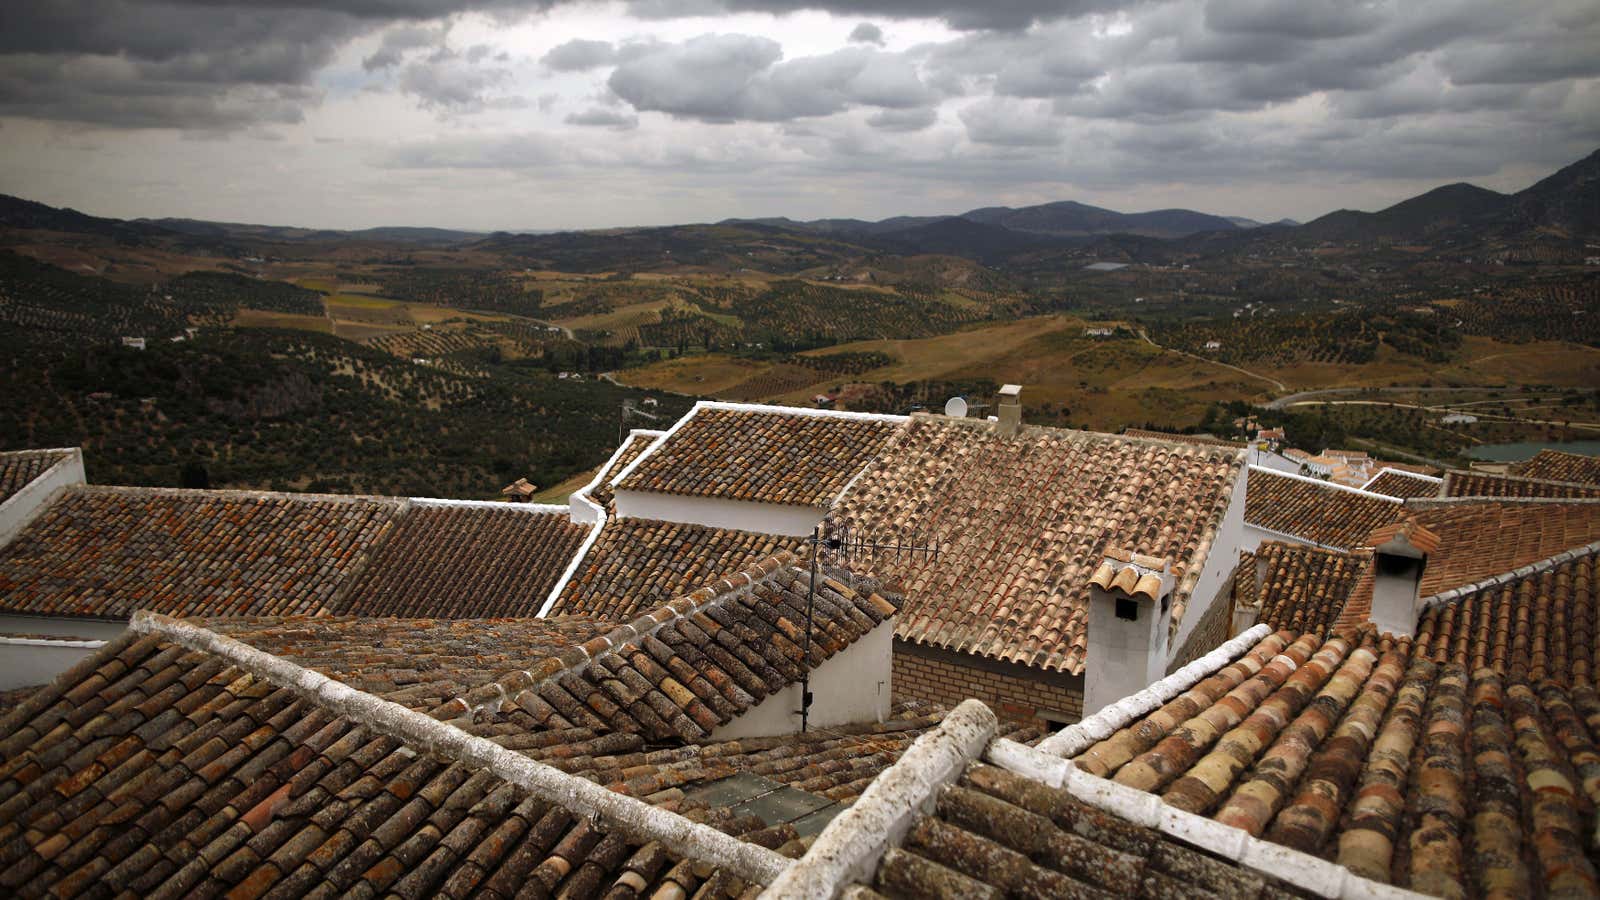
(842, 540)
(630, 410)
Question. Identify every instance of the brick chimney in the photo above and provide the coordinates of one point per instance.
(1130, 612)
(1400, 555)
(1010, 418)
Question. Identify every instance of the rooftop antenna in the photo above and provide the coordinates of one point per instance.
(840, 539)
(628, 409)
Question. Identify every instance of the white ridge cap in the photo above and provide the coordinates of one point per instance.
(1327, 484)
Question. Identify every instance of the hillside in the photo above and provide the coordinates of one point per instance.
(1451, 206)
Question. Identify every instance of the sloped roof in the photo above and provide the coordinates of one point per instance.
(1203, 440)
(686, 668)
(18, 468)
(636, 564)
(996, 833)
(1456, 764)
(418, 663)
(1557, 465)
(1304, 588)
(1485, 484)
(1313, 510)
(106, 551)
(762, 454)
(1021, 524)
(1399, 483)
(462, 560)
(1481, 538)
(637, 443)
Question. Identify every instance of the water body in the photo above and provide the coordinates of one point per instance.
(1526, 450)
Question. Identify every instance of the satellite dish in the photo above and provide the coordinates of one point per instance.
(956, 408)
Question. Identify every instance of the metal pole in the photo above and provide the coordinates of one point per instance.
(811, 596)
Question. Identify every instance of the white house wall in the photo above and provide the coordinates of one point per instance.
(1222, 559)
(26, 662)
(717, 512)
(21, 508)
(851, 686)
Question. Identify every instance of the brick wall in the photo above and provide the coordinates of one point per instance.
(1215, 627)
(1012, 691)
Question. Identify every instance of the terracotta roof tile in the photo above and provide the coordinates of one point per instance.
(20, 467)
(1202, 440)
(1477, 539)
(1023, 522)
(100, 551)
(1398, 483)
(1485, 484)
(464, 560)
(1556, 465)
(637, 564)
(1304, 588)
(757, 454)
(996, 834)
(1463, 763)
(635, 445)
(1314, 511)
(418, 663)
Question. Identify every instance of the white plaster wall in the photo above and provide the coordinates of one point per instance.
(1269, 460)
(1123, 657)
(852, 686)
(27, 663)
(63, 626)
(21, 508)
(717, 512)
(1221, 560)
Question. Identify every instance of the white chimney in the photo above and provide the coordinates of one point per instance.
(1010, 418)
(1400, 555)
(1130, 612)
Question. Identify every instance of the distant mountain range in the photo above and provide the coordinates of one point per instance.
(1063, 219)
(1564, 206)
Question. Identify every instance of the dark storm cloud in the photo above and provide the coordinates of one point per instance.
(397, 41)
(733, 77)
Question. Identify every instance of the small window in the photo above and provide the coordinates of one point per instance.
(1128, 608)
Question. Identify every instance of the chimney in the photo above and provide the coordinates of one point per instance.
(1010, 418)
(1400, 554)
(1130, 611)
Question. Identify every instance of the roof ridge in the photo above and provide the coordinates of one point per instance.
(1527, 479)
(237, 494)
(1409, 474)
(578, 795)
(1442, 502)
(1332, 485)
(1512, 577)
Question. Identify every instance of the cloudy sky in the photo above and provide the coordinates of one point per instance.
(539, 114)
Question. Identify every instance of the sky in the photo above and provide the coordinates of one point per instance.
(554, 114)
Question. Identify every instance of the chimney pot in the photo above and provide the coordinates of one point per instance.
(1129, 618)
(1399, 557)
(1010, 418)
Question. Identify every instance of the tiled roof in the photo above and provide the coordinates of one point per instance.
(1203, 440)
(1461, 764)
(761, 454)
(1304, 588)
(462, 560)
(22, 466)
(686, 668)
(637, 443)
(1485, 484)
(1021, 524)
(1396, 483)
(418, 663)
(1478, 539)
(1555, 465)
(1314, 511)
(636, 564)
(108, 551)
(995, 834)
(195, 778)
